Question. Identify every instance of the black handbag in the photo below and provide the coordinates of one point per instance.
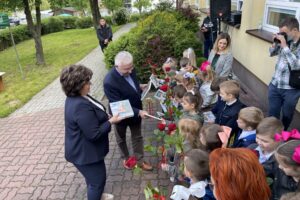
(294, 80)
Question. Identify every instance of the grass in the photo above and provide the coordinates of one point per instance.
(60, 49)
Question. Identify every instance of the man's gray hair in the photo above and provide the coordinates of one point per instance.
(123, 58)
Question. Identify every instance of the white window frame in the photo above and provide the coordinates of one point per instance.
(280, 4)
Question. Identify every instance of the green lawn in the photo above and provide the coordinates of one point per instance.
(60, 49)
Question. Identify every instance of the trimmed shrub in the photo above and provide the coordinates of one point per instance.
(69, 22)
(52, 25)
(20, 34)
(120, 16)
(134, 17)
(84, 22)
(156, 38)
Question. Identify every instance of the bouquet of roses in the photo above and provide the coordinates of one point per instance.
(153, 193)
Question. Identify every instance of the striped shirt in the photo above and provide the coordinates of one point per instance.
(286, 55)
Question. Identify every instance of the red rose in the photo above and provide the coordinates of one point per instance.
(154, 65)
(167, 80)
(159, 197)
(131, 162)
(161, 126)
(171, 127)
(170, 111)
(164, 88)
(168, 69)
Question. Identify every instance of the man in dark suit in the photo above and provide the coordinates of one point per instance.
(119, 84)
(104, 34)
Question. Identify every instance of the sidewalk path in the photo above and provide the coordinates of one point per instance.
(32, 163)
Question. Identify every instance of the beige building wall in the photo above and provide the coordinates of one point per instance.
(252, 52)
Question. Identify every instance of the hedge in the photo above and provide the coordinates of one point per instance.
(157, 37)
(52, 25)
(49, 25)
(84, 22)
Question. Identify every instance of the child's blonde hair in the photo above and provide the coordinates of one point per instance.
(188, 83)
(179, 78)
(231, 87)
(172, 62)
(190, 54)
(207, 75)
(251, 116)
(190, 129)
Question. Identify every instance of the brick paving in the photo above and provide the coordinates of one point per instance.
(32, 164)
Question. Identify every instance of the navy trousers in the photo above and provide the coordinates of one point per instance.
(285, 101)
(95, 178)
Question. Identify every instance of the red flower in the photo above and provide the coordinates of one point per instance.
(167, 80)
(159, 197)
(161, 126)
(131, 162)
(164, 88)
(154, 65)
(171, 127)
(167, 68)
(170, 111)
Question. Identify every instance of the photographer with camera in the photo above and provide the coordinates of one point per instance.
(209, 30)
(283, 94)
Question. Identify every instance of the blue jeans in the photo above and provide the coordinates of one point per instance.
(285, 101)
(95, 178)
(207, 47)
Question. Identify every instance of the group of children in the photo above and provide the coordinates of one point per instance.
(235, 126)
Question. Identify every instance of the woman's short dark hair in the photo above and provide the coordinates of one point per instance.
(73, 78)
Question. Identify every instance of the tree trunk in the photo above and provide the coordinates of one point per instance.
(179, 4)
(35, 30)
(95, 12)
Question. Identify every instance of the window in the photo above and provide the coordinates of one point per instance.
(237, 5)
(277, 10)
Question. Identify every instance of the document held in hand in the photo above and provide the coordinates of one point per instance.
(123, 108)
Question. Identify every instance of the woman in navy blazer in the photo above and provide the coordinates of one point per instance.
(86, 129)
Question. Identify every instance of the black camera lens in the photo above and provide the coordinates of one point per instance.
(281, 33)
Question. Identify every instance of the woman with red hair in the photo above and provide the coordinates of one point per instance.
(237, 175)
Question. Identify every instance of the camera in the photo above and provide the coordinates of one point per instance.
(278, 41)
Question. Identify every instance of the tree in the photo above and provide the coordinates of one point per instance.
(57, 4)
(79, 5)
(139, 4)
(95, 12)
(112, 5)
(35, 28)
(179, 4)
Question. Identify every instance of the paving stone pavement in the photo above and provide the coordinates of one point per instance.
(32, 164)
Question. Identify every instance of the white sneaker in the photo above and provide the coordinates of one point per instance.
(106, 196)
